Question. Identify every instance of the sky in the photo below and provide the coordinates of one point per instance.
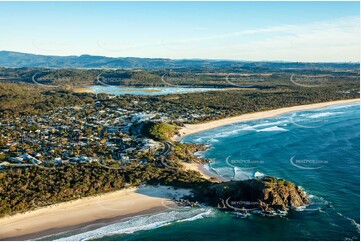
(255, 31)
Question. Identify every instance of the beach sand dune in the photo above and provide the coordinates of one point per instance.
(204, 171)
(79, 213)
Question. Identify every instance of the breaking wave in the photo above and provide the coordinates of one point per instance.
(353, 222)
(325, 114)
(271, 129)
(143, 222)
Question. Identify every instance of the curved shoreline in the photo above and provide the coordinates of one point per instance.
(196, 128)
(124, 203)
(100, 209)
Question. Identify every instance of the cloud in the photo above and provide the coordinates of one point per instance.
(336, 40)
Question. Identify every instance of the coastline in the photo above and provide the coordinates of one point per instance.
(206, 174)
(105, 209)
(196, 128)
(111, 207)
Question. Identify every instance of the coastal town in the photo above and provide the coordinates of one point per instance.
(106, 129)
(78, 134)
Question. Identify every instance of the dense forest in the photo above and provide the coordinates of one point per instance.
(158, 131)
(26, 98)
(24, 189)
(260, 77)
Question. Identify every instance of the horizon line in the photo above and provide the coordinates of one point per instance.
(167, 58)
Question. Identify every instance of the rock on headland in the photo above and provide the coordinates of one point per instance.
(268, 194)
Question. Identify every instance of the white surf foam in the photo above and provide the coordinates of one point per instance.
(236, 129)
(240, 174)
(205, 214)
(227, 172)
(143, 222)
(272, 129)
(247, 127)
(199, 154)
(227, 133)
(324, 114)
(213, 140)
(198, 140)
(211, 169)
(353, 222)
(265, 124)
(258, 174)
(343, 106)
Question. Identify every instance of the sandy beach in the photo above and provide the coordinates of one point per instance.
(204, 172)
(195, 128)
(79, 213)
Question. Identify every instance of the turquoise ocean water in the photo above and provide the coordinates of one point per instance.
(317, 149)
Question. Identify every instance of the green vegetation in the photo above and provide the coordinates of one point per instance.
(268, 194)
(263, 76)
(89, 131)
(271, 182)
(29, 99)
(159, 131)
(184, 152)
(23, 189)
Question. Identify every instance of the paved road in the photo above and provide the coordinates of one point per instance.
(167, 149)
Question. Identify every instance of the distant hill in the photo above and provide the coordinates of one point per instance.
(17, 59)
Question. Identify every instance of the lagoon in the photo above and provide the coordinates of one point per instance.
(146, 91)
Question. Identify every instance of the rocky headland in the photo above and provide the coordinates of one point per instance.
(268, 194)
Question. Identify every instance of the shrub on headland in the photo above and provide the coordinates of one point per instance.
(159, 131)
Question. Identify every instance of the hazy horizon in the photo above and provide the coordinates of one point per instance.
(244, 31)
(215, 59)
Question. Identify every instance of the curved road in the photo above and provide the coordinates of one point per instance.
(167, 149)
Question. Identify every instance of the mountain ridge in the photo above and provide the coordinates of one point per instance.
(19, 59)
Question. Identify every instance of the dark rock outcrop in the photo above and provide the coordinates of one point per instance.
(268, 194)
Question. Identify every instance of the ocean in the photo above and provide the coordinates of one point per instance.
(317, 149)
